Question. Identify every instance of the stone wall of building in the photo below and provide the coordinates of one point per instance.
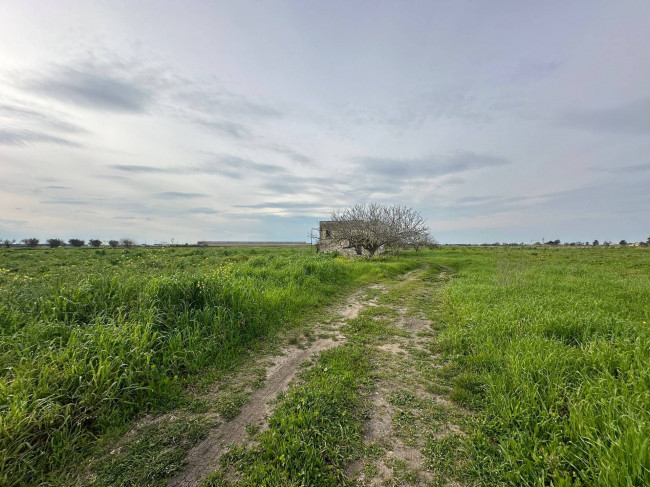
(328, 241)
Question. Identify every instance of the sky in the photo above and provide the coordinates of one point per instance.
(161, 121)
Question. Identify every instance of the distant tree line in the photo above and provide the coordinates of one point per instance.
(417, 236)
(73, 242)
(596, 243)
(558, 242)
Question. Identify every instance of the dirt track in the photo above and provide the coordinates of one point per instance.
(408, 409)
(203, 459)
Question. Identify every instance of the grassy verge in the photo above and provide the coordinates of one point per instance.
(551, 347)
(90, 339)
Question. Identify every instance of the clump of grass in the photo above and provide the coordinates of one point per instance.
(443, 455)
(228, 405)
(158, 453)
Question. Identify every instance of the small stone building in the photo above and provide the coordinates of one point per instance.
(327, 237)
(329, 240)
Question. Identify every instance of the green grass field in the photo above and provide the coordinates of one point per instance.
(92, 338)
(549, 347)
(552, 348)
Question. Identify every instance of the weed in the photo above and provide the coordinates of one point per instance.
(252, 430)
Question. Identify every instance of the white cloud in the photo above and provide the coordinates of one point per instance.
(223, 121)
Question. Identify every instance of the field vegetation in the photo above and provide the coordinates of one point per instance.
(551, 347)
(92, 338)
(529, 366)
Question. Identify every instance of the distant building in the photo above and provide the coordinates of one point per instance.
(328, 238)
(216, 243)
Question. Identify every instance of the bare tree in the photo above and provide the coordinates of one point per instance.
(372, 226)
(423, 240)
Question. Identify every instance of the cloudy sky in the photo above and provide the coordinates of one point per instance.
(252, 120)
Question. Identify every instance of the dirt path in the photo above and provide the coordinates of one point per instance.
(203, 459)
(412, 422)
(412, 434)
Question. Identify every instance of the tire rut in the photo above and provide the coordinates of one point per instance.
(203, 459)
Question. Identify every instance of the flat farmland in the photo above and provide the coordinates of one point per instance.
(552, 348)
(458, 365)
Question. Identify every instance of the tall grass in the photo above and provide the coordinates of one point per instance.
(114, 333)
(552, 347)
